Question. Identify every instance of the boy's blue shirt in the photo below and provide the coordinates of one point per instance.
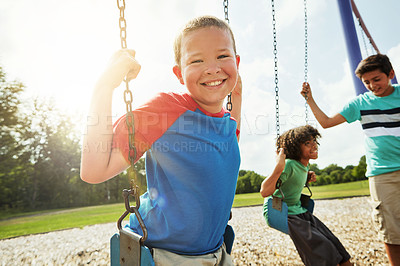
(380, 120)
(192, 167)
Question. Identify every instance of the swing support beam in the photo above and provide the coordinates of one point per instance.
(346, 8)
(352, 45)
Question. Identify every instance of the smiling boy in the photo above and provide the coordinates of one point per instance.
(189, 191)
(378, 111)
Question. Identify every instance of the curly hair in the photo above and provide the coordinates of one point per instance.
(292, 139)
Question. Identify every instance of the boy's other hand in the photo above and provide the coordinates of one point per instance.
(280, 159)
(238, 88)
(311, 177)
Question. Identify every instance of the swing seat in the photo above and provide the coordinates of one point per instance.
(127, 255)
(124, 251)
(277, 212)
(229, 238)
(307, 202)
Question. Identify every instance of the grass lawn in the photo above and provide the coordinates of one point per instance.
(352, 189)
(37, 222)
(46, 221)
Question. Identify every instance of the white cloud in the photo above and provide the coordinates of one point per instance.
(394, 56)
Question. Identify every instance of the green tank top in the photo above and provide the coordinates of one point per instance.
(293, 177)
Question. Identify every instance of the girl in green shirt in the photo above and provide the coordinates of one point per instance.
(315, 243)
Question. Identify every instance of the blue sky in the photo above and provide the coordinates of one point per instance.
(58, 49)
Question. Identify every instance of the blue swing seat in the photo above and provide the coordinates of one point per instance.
(128, 255)
(276, 213)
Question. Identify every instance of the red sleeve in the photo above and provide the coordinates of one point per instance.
(151, 121)
(237, 130)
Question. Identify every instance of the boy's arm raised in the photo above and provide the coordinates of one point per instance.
(100, 161)
(268, 186)
(237, 102)
(324, 120)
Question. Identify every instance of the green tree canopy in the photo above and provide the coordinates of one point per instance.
(40, 157)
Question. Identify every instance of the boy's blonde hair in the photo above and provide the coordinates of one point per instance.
(200, 23)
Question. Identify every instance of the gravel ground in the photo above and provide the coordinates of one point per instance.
(255, 243)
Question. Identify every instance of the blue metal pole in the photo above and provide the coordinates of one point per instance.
(352, 45)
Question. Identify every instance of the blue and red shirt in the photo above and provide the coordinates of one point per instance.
(192, 165)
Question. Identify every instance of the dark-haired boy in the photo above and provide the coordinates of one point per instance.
(378, 110)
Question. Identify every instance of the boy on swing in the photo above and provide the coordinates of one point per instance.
(191, 145)
(315, 243)
(378, 110)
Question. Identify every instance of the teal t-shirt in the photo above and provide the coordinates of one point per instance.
(380, 120)
(293, 177)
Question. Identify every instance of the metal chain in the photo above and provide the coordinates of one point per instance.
(305, 42)
(363, 37)
(128, 98)
(306, 55)
(226, 10)
(275, 69)
(229, 100)
(130, 124)
(122, 23)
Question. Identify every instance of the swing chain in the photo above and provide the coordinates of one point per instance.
(229, 100)
(226, 11)
(363, 37)
(129, 120)
(275, 69)
(306, 56)
(122, 23)
(305, 42)
(278, 187)
(128, 98)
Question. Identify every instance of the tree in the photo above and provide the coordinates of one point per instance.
(330, 168)
(40, 157)
(314, 167)
(322, 179)
(249, 182)
(242, 172)
(360, 170)
(348, 176)
(51, 156)
(337, 176)
(10, 139)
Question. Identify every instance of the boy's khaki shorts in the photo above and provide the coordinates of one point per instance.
(385, 201)
(166, 258)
